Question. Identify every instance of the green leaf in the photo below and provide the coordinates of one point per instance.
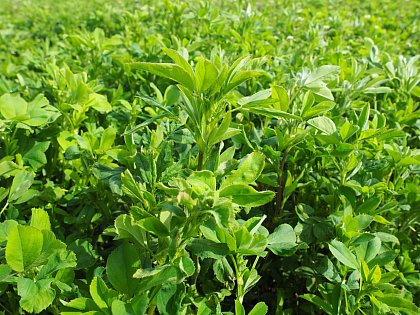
(321, 73)
(347, 130)
(99, 102)
(140, 303)
(49, 246)
(375, 274)
(323, 124)
(363, 120)
(383, 258)
(342, 150)
(243, 237)
(24, 246)
(205, 74)
(40, 112)
(169, 299)
(319, 302)
(208, 249)
(369, 205)
(369, 250)
(261, 98)
(102, 296)
(363, 221)
(280, 94)
(282, 241)
(171, 97)
(259, 309)
(257, 108)
(13, 107)
(391, 134)
(387, 237)
(247, 196)
(40, 219)
(318, 109)
(7, 167)
(320, 89)
(145, 123)
(36, 155)
(239, 309)
(5, 273)
(135, 189)
(107, 138)
(328, 270)
(5, 228)
(60, 259)
(377, 90)
(343, 254)
(222, 270)
(120, 308)
(248, 171)
(154, 226)
(20, 185)
(126, 228)
(82, 304)
(362, 238)
(152, 277)
(186, 265)
(121, 265)
(166, 70)
(179, 60)
(84, 313)
(408, 160)
(240, 77)
(202, 182)
(35, 296)
(86, 255)
(223, 132)
(399, 304)
(3, 193)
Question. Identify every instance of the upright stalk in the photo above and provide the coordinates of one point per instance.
(280, 188)
(200, 160)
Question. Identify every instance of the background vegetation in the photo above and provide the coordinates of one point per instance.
(220, 157)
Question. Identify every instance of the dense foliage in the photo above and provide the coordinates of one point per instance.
(221, 157)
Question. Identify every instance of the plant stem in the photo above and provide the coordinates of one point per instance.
(151, 310)
(200, 160)
(4, 208)
(239, 280)
(197, 271)
(255, 262)
(280, 188)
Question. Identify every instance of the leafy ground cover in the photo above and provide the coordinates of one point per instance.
(222, 157)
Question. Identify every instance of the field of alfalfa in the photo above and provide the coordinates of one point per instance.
(209, 157)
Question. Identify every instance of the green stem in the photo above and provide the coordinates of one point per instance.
(197, 270)
(200, 160)
(239, 280)
(5, 308)
(295, 94)
(280, 188)
(255, 263)
(153, 294)
(151, 310)
(4, 208)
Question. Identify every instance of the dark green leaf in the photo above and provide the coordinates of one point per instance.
(121, 265)
(207, 249)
